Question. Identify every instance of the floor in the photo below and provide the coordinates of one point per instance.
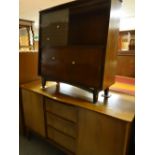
(124, 85)
(36, 146)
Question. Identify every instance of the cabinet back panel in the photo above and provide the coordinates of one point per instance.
(65, 111)
(62, 139)
(89, 28)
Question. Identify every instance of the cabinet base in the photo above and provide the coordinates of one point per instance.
(94, 91)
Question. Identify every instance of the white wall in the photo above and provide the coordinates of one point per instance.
(127, 21)
(29, 9)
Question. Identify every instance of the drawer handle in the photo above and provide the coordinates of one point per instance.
(58, 26)
(73, 62)
(47, 38)
(53, 58)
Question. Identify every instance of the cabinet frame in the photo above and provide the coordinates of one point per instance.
(107, 42)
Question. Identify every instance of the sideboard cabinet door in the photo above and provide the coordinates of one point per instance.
(33, 112)
(101, 134)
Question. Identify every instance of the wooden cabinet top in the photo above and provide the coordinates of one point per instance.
(119, 106)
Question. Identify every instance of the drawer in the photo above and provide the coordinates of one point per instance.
(65, 111)
(54, 35)
(54, 28)
(54, 63)
(62, 125)
(86, 62)
(62, 139)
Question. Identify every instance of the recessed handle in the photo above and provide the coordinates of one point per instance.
(73, 62)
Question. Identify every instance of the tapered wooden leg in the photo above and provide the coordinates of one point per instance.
(43, 82)
(106, 93)
(95, 96)
(57, 87)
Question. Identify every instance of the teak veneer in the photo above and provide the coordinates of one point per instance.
(64, 116)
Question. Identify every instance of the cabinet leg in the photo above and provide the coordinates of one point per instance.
(28, 134)
(106, 93)
(95, 96)
(57, 87)
(43, 82)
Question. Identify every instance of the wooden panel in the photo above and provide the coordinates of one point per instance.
(33, 111)
(66, 111)
(62, 125)
(65, 141)
(28, 66)
(101, 135)
(85, 66)
(54, 28)
(79, 61)
(92, 25)
(126, 65)
(112, 45)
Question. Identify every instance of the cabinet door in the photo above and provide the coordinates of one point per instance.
(85, 66)
(54, 63)
(54, 28)
(33, 111)
(101, 135)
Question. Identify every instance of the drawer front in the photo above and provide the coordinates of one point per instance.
(68, 64)
(62, 125)
(65, 111)
(54, 63)
(63, 140)
(54, 35)
(54, 28)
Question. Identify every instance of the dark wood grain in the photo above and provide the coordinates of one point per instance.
(74, 124)
(78, 43)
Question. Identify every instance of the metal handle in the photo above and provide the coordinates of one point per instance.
(73, 62)
(47, 38)
(53, 58)
(58, 26)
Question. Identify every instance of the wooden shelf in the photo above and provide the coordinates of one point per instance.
(127, 52)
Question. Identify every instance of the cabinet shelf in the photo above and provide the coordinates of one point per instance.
(126, 52)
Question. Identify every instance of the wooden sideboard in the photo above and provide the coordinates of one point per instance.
(65, 116)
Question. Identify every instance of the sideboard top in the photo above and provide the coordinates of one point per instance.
(119, 106)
